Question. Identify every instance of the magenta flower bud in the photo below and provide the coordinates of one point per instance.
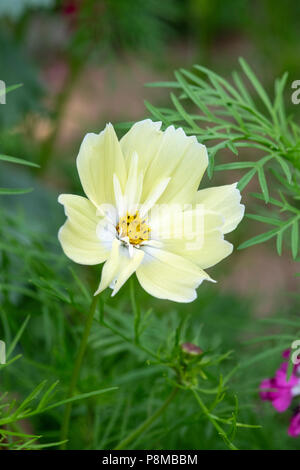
(192, 349)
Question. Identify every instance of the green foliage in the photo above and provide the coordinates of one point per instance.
(135, 355)
(135, 345)
(113, 26)
(281, 226)
(19, 161)
(16, 66)
(131, 348)
(11, 413)
(224, 115)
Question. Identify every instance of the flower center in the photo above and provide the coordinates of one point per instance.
(133, 227)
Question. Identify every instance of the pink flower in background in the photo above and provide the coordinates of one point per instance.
(278, 390)
(294, 429)
(70, 7)
(286, 353)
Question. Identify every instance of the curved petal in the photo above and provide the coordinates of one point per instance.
(213, 250)
(111, 267)
(128, 266)
(119, 267)
(184, 160)
(99, 157)
(195, 234)
(226, 201)
(153, 196)
(166, 154)
(134, 184)
(169, 276)
(78, 236)
(144, 138)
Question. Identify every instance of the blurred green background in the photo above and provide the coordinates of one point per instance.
(83, 64)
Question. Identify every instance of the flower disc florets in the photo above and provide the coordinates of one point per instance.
(134, 228)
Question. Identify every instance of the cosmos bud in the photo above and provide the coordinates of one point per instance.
(191, 349)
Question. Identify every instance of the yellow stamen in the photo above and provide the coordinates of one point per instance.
(133, 227)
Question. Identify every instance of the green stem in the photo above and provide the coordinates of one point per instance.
(136, 311)
(75, 69)
(76, 370)
(146, 424)
(216, 425)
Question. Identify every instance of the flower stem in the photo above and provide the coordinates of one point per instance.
(219, 429)
(75, 69)
(136, 311)
(146, 424)
(76, 371)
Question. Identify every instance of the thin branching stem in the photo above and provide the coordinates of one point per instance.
(146, 424)
(76, 370)
(213, 421)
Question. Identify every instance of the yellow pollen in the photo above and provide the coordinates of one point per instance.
(133, 227)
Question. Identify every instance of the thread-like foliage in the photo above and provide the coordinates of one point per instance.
(135, 355)
(238, 115)
(130, 350)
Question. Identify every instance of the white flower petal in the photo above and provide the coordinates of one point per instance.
(166, 154)
(168, 276)
(78, 235)
(106, 232)
(144, 137)
(110, 268)
(129, 266)
(99, 157)
(158, 170)
(119, 197)
(153, 196)
(211, 251)
(108, 212)
(184, 160)
(134, 185)
(119, 267)
(195, 234)
(226, 201)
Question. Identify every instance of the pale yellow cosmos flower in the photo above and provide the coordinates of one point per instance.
(143, 212)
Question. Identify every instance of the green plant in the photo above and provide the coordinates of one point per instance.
(138, 387)
(225, 115)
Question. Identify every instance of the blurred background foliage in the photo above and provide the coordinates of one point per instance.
(82, 64)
